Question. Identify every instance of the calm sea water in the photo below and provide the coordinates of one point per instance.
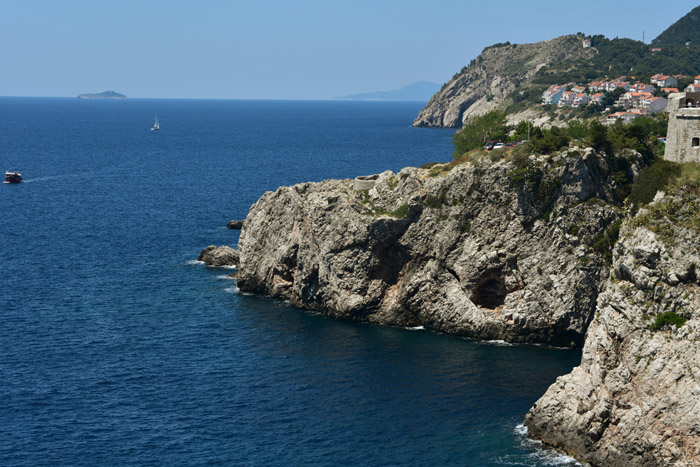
(116, 350)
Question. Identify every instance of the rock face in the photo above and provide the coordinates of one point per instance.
(635, 398)
(491, 250)
(235, 224)
(490, 78)
(218, 256)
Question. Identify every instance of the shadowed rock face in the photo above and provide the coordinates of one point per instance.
(235, 224)
(635, 398)
(473, 251)
(487, 81)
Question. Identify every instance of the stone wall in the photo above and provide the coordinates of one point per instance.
(683, 137)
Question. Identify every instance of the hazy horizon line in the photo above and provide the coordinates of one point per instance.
(219, 99)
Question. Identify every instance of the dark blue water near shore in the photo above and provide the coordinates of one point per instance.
(116, 351)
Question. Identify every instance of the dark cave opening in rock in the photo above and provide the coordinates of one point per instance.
(490, 293)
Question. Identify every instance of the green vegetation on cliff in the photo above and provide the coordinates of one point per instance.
(679, 210)
(686, 29)
(491, 126)
(620, 57)
(670, 318)
(640, 135)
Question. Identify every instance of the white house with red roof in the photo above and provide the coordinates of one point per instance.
(624, 116)
(597, 98)
(654, 105)
(617, 83)
(631, 99)
(643, 87)
(597, 86)
(581, 99)
(567, 99)
(697, 80)
(693, 88)
(553, 94)
(664, 81)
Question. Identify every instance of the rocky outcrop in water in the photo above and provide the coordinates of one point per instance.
(486, 83)
(218, 256)
(635, 398)
(489, 249)
(235, 224)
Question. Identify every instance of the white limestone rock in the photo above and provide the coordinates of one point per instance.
(460, 250)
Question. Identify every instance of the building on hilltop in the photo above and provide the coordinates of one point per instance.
(683, 137)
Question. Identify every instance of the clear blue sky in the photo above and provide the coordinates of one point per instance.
(281, 49)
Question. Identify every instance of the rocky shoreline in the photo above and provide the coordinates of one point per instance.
(488, 249)
(635, 398)
(516, 251)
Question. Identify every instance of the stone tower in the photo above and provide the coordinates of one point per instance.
(683, 137)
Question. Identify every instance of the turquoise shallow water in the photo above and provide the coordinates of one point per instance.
(117, 350)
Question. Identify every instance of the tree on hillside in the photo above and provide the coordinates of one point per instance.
(477, 131)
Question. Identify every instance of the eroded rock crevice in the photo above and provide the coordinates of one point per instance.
(490, 291)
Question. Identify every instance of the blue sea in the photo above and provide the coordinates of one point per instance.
(116, 348)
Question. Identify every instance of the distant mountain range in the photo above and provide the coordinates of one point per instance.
(102, 95)
(418, 91)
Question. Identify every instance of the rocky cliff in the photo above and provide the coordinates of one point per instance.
(489, 249)
(492, 77)
(635, 398)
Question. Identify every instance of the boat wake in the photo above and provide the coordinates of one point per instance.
(194, 261)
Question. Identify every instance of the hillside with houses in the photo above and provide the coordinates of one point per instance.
(622, 98)
(554, 81)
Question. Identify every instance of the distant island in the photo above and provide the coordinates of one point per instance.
(418, 91)
(102, 95)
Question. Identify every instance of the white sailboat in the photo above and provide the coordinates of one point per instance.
(156, 126)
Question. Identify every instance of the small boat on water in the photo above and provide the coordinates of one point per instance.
(13, 177)
(156, 126)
